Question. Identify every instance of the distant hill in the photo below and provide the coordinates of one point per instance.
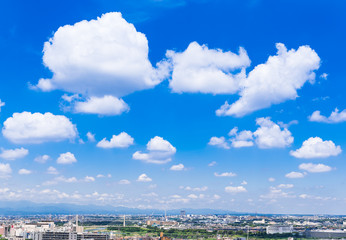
(31, 208)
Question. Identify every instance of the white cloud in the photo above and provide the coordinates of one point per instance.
(196, 189)
(275, 193)
(4, 190)
(13, 154)
(307, 196)
(216, 196)
(105, 56)
(335, 117)
(270, 135)
(106, 105)
(244, 182)
(60, 179)
(42, 159)
(55, 196)
(199, 189)
(103, 176)
(66, 158)
(67, 180)
(267, 135)
(144, 178)
(199, 69)
(320, 98)
(159, 144)
(44, 85)
(233, 131)
(315, 147)
(212, 164)
(150, 195)
(27, 127)
(70, 98)
(201, 196)
(24, 171)
(89, 179)
(52, 170)
(124, 181)
(160, 151)
(219, 142)
(1, 104)
(175, 196)
(91, 137)
(123, 140)
(192, 196)
(178, 167)
(285, 186)
(271, 179)
(324, 76)
(287, 125)
(5, 170)
(294, 175)
(240, 144)
(275, 81)
(241, 139)
(304, 196)
(231, 189)
(314, 168)
(225, 174)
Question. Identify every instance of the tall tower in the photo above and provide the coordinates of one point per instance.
(124, 224)
(77, 221)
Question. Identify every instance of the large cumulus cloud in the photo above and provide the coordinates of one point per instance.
(101, 57)
(27, 127)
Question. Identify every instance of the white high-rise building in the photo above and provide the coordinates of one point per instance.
(279, 229)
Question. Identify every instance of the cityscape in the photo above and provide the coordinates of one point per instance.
(181, 226)
(172, 119)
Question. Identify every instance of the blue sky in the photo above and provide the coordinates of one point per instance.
(154, 75)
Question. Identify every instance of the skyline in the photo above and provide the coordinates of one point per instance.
(174, 104)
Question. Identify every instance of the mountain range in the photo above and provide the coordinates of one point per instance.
(32, 208)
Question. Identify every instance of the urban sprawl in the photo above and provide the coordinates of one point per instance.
(166, 227)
